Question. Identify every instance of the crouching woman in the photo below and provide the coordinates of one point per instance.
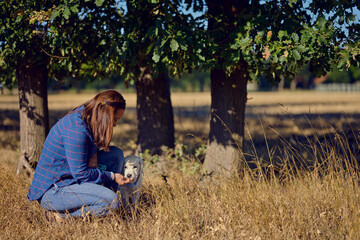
(73, 178)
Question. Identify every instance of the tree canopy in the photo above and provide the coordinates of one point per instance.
(279, 37)
(89, 37)
(73, 42)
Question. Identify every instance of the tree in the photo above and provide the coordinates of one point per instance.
(39, 39)
(154, 108)
(271, 38)
(31, 70)
(86, 38)
(158, 40)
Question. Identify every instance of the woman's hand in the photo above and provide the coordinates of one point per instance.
(121, 180)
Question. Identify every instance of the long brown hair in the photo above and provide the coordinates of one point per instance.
(99, 116)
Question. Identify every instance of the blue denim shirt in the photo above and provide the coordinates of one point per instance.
(64, 157)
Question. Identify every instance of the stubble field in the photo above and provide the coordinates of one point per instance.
(303, 149)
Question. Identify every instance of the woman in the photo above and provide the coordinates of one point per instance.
(73, 177)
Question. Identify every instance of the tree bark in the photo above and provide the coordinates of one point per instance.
(154, 113)
(34, 119)
(226, 138)
(228, 94)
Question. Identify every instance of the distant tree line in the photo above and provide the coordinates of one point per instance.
(192, 82)
(305, 79)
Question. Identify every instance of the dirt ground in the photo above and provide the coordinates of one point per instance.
(270, 116)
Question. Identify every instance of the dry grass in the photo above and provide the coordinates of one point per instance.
(280, 199)
(248, 207)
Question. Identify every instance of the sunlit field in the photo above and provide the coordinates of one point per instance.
(300, 181)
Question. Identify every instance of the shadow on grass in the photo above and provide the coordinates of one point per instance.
(269, 136)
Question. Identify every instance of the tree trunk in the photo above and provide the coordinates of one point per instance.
(228, 94)
(281, 85)
(293, 84)
(154, 113)
(34, 120)
(226, 138)
(202, 83)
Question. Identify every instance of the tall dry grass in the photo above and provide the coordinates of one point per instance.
(301, 187)
(277, 200)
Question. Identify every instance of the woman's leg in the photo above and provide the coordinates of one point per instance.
(111, 161)
(79, 199)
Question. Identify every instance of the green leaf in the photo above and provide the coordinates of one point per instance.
(69, 66)
(67, 12)
(301, 48)
(174, 45)
(183, 47)
(281, 34)
(305, 37)
(275, 58)
(321, 23)
(296, 54)
(55, 14)
(156, 57)
(18, 18)
(163, 42)
(99, 3)
(342, 62)
(75, 9)
(291, 2)
(245, 41)
(148, 50)
(295, 37)
(201, 57)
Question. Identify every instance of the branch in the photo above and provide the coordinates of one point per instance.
(23, 164)
(53, 55)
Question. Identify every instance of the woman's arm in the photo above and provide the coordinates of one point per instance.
(120, 179)
(77, 143)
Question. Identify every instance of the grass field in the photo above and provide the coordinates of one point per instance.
(304, 184)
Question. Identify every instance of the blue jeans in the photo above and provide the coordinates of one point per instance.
(79, 199)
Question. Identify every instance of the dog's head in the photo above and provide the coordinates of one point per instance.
(133, 167)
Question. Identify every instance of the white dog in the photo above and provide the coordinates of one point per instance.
(133, 168)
